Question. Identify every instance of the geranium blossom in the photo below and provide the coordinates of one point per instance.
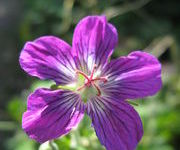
(86, 82)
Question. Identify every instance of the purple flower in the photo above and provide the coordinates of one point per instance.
(86, 82)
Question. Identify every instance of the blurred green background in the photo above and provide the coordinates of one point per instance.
(149, 25)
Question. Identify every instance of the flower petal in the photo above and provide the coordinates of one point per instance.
(135, 76)
(117, 125)
(51, 114)
(93, 41)
(48, 57)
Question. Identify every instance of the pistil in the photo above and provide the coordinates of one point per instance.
(91, 81)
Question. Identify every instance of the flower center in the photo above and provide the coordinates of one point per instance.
(90, 81)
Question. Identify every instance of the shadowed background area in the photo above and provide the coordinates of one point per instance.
(149, 25)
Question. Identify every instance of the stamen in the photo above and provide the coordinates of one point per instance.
(98, 89)
(81, 87)
(82, 73)
(104, 79)
(92, 73)
(90, 80)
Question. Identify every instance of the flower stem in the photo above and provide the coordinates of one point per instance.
(53, 145)
(132, 103)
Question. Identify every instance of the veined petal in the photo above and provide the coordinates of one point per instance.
(48, 57)
(51, 114)
(117, 125)
(135, 76)
(93, 42)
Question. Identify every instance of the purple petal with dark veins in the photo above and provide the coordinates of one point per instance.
(135, 76)
(48, 57)
(117, 125)
(93, 42)
(51, 114)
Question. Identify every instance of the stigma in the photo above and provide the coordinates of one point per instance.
(91, 81)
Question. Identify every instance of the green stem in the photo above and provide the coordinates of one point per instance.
(52, 145)
(132, 103)
(7, 125)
